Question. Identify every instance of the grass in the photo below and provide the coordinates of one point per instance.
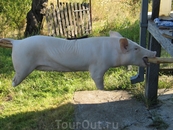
(158, 122)
(44, 98)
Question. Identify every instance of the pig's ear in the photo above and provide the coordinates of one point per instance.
(114, 34)
(123, 44)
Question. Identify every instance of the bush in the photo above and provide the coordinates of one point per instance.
(12, 16)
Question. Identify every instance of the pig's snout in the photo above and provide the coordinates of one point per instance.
(154, 53)
(145, 59)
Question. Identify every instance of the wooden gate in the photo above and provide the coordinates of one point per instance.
(70, 20)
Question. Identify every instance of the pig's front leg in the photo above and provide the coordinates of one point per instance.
(97, 74)
(98, 82)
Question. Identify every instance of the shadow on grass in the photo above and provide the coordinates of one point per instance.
(47, 119)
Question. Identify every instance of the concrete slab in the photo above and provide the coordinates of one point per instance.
(117, 110)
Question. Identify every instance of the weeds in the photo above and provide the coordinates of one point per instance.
(158, 123)
(45, 97)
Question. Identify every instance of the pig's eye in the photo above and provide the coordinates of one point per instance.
(136, 48)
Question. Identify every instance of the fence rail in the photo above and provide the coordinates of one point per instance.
(70, 20)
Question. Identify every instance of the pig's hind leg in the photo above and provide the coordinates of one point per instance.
(21, 73)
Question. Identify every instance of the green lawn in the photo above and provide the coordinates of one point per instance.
(44, 98)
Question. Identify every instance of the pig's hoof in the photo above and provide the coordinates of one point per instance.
(14, 82)
(100, 88)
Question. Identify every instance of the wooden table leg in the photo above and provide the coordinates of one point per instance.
(152, 75)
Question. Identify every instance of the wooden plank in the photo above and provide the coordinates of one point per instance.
(56, 30)
(5, 46)
(80, 10)
(90, 12)
(59, 20)
(158, 60)
(5, 43)
(167, 36)
(89, 21)
(48, 21)
(74, 20)
(83, 19)
(67, 30)
(71, 20)
(77, 18)
(80, 19)
(52, 21)
(62, 18)
(69, 33)
(157, 34)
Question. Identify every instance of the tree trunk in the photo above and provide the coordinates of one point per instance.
(35, 17)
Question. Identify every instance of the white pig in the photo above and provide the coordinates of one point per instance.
(95, 54)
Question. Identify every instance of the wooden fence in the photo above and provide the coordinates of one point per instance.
(70, 20)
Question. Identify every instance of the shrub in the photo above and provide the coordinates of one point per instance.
(12, 16)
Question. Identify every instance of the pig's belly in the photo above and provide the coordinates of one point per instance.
(63, 63)
(61, 68)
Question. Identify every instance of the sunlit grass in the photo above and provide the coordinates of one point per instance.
(45, 97)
